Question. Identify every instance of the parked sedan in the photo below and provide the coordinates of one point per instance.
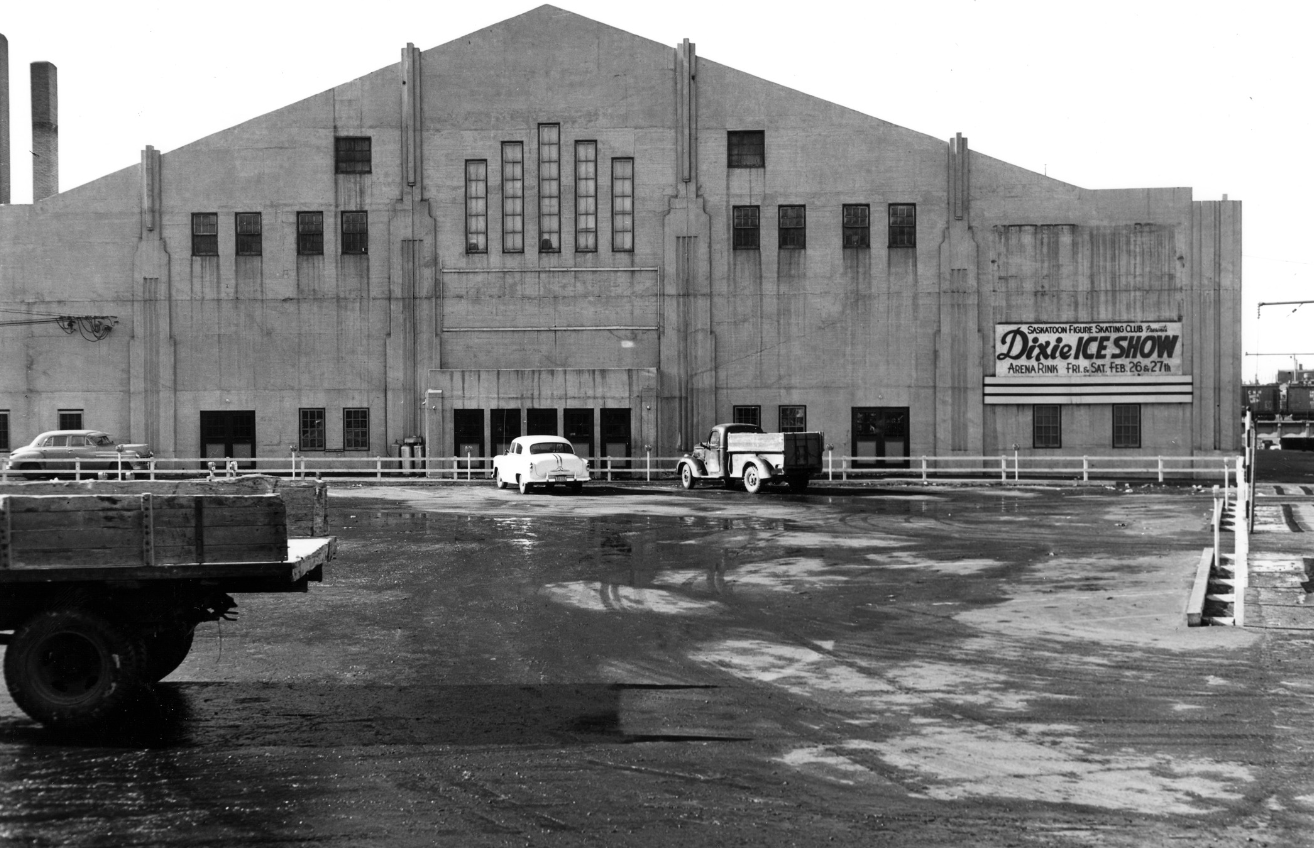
(540, 461)
(64, 451)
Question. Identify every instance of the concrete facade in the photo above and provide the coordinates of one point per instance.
(889, 350)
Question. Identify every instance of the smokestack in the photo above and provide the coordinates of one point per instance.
(45, 131)
(4, 120)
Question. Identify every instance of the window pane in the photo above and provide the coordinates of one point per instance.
(747, 149)
(793, 229)
(857, 225)
(355, 232)
(903, 225)
(1126, 425)
(793, 419)
(513, 197)
(1047, 431)
(476, 206)
(205, 229)
(748, 415)
(622, 205)
(549, 188)
(312, 429)
(310, 233)
(746, 228)
(248, 233)
(355, 429)
(586, 196)
(352, 154)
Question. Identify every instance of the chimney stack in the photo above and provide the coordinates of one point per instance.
(45, 131)
(4, 120)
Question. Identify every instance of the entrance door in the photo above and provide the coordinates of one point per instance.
(503, 427)
(616, 435)
(880, 431)
(468, 429)
(579, 430)
(229, 434)
(541, 422)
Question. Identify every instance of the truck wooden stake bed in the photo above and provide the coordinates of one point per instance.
(103, 592)
(743, 452)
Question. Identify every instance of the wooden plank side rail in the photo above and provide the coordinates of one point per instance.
(144, 530)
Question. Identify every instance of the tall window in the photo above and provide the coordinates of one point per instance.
(746, 149)
(310, 233)
(4, 429)
(1126, 425)
(312, 430)
(476, 206)
(248, 233)
(351, 154)
(1047, 426)
(355, 232)
(205, 234)
(622, 205)
(513, 197)
(747, 415)
(903, 225)
(793, 419)
(586, 196)
(857, 225)
(356, 429)
(747, 227)
(70, 419)
(549, 188)
(793, 227)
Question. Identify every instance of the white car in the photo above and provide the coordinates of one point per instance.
(540, 461)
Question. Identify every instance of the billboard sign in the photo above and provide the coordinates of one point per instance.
(1107, 349)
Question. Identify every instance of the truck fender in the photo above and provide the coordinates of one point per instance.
(765, 469)
(699, 470)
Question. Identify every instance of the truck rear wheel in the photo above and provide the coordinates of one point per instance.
(798, 482)
(752, 482)
(69, 668)
(687, 478)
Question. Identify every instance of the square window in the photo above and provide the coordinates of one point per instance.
(748, 415)
(4, 429)
(746, 149)
(310, 233)
(903, 225)
(248, 228)
(793, 228)
(476, 206)
(747, 228)
(793, 419)
(622, 205)
(205, 234)
(586, 196)
(352, 154)
(355, 429)
(312, 430)
(1047, 426)
(513, 197)
(355, 233)
(1126, 425)
(70, 419)
(857, 225)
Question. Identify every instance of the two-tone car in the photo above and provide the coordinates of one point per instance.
(544, 461)
(60, 452)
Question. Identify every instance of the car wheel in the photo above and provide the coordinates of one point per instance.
(524, 485)
(497, 479)
(752, 482)
(30, 470)
(687, 478)
(69, 668)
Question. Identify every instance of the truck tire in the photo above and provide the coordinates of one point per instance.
(752, 480)
(687, 478)
(798, 482)
(166, 650)
(70, 669)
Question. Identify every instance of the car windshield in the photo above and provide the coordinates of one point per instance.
(551, 447)
(98, 440)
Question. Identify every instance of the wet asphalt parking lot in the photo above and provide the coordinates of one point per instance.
(639, 665)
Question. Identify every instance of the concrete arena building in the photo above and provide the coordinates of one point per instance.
(552, 225)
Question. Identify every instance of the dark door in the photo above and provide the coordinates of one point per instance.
(579, 430)
(880, 431)
(503, 426)
(616, 435)
(541, 422)
(229, 434)
(468, 429)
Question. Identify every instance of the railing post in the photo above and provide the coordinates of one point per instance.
(1160, 469)
(648, 463)
(844, 468)
(1085, 469)
(378, 467)
(830, 466)
(923, 469)
(1015, 464)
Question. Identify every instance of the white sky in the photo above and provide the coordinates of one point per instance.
(1109, 95)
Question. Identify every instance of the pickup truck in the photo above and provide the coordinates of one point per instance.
(744, 452)
(103, 591)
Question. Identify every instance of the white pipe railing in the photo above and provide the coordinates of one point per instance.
(647, 467)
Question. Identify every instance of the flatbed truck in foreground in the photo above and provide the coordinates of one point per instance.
(735, 452)
(100, 594)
